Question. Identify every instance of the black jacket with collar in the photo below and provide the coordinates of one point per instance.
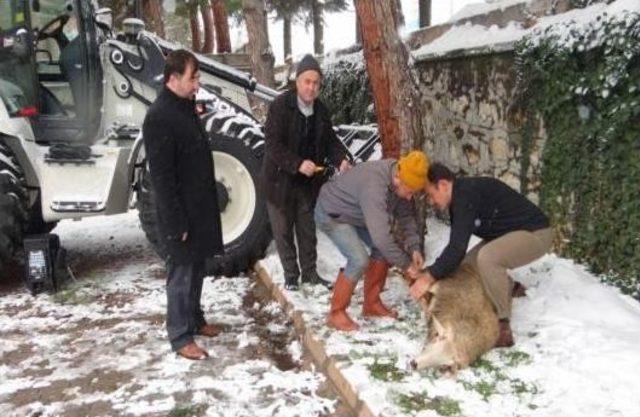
(284, 131)
(487, 208)
(182, 175)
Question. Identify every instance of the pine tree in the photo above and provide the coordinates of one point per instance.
(259, 49)
(221, 23)
(424, 10)
(395, 91)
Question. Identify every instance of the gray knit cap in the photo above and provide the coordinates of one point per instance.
(308, 62)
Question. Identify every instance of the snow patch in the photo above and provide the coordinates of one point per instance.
(475, 9)
(563, 26)
(576, 351)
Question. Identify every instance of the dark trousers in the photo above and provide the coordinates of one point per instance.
(295, 219)
(184, 313)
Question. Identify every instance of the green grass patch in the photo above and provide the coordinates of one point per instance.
(520, 387)
(73, 294)
(194, 410)
(430, 374)
(446, 406)
(418, 401)
(483, 387)
(421, 401)
(386, 371)
(483, 367)
(490, 375)
(515, 357)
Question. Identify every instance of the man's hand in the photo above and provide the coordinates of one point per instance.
(307, 168)
(344, 166)
(185, 236)
(421, 285)
(412, 272)
(416, 259)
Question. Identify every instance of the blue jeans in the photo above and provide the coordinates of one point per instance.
(184, 312)
(353, 242)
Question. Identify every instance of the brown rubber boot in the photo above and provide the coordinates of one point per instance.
(342, 292)
(374, 278)
(505, 338)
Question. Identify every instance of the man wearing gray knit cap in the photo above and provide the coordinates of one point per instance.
(299, 144)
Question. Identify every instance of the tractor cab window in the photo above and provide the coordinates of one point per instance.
(68, 68)
(17, 78)
(59, 57)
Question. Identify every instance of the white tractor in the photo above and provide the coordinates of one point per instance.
(72, 99)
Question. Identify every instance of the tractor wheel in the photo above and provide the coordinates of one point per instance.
(13, 206)
(36, 224)
(237, 154)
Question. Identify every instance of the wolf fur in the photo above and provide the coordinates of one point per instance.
(462, 323)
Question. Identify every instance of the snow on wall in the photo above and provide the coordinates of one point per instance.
(469, 37)
(475, 9)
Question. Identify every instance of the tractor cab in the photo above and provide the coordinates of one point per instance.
(57, 67)
(18, 80)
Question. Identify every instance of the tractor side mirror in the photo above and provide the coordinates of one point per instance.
(104, 18)
(21, 44)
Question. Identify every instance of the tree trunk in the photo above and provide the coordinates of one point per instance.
(395, 91)
(398, 14)
(153, 15)
(318, 27)
(286, 35)
(258, 46)
(221, 23)
(424, 12)
(207, 20)
(195, 29)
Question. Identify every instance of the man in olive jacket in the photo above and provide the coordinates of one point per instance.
(182, 175)
(300, 141)
(514, 232)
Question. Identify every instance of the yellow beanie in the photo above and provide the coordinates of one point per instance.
(412, 170)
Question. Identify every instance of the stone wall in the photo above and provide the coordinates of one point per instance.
(474, 123)
(473, 120)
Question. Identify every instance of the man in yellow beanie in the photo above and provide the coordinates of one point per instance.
(356, 210)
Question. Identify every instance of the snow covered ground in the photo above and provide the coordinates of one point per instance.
(99, 347)
(576, 350)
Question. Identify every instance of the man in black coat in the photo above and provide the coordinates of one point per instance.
(514, 232)
(182, 175)
(300, 141)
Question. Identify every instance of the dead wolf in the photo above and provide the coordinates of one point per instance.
(462, 323)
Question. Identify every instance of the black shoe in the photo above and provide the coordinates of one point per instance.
(316, 279)
(291, 284)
